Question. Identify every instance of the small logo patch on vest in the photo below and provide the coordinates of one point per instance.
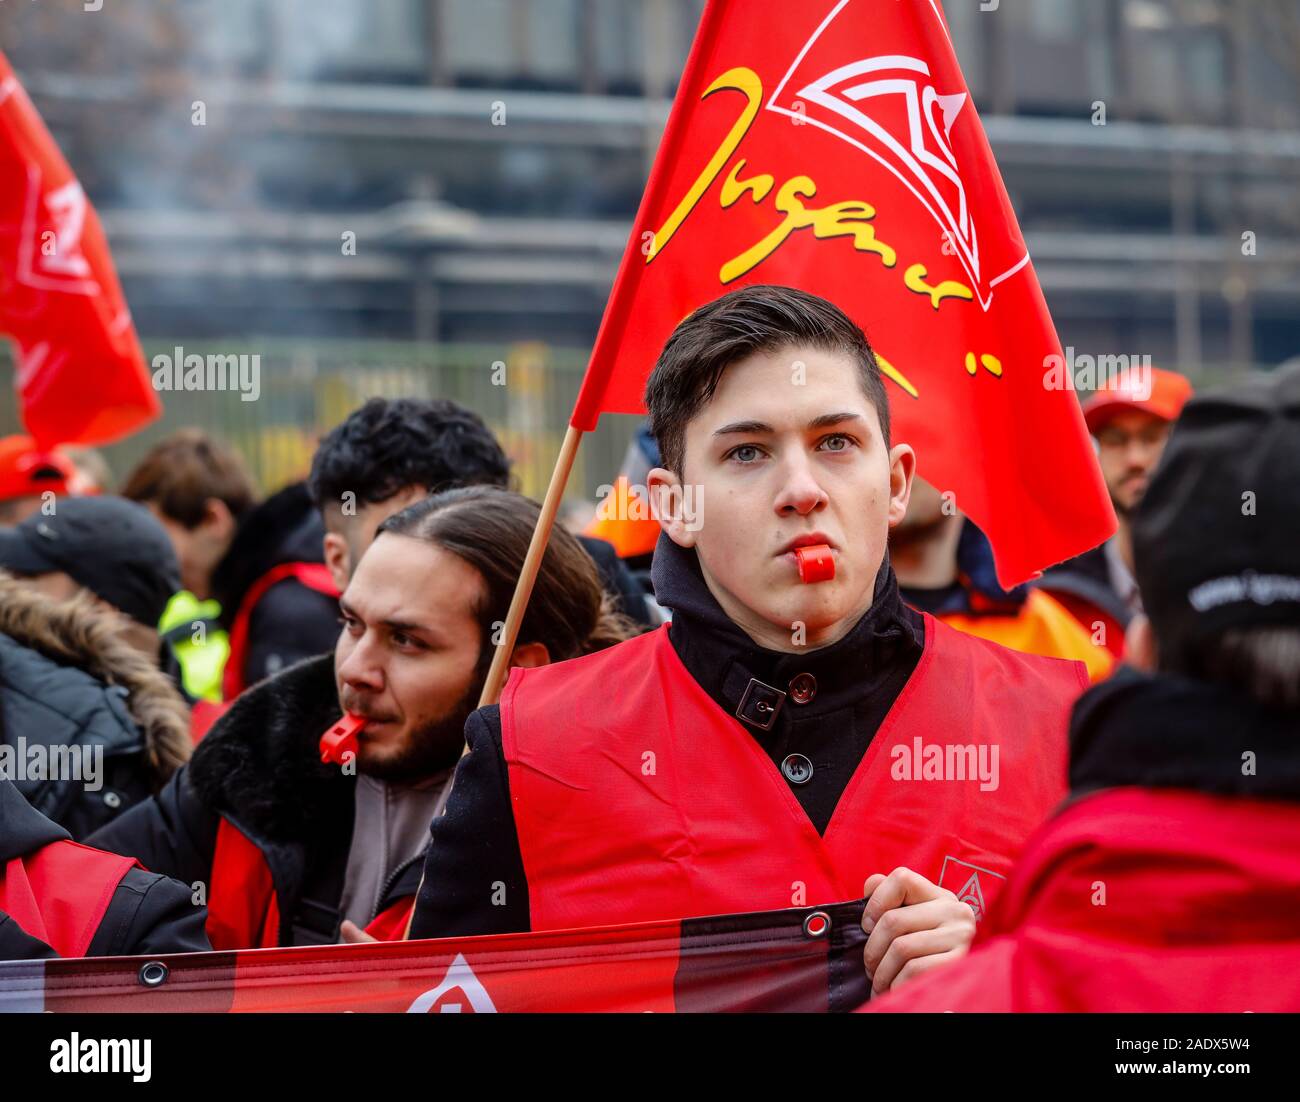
(459, 992)
(964, 881)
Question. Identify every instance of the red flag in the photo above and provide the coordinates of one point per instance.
(81, 376)
(799, 959)
(834, 147)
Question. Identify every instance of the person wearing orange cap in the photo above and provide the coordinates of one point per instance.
(1129, 419)
(27, 473)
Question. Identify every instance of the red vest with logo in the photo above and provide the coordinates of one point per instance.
(61, 892)
(1138, 900)
(636, 797)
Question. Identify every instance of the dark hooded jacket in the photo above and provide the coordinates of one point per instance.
(147, 913)
(291, 621)
(89, 726)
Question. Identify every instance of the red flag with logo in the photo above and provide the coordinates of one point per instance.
(81, 376)
(832, 145)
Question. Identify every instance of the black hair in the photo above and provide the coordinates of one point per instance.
(390, 444)
(752, 319)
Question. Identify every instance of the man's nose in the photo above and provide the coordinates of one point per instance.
(1141, 453)
(360, 668)
(801, 492)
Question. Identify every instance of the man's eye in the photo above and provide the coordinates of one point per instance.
(837, 443)
(403, 640)
(350, 623)
(746, 453)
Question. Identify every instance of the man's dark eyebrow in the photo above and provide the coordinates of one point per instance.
(407, 627)
(743, 426)
(828, 419)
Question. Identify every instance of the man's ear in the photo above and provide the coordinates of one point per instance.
(1140, 645)
(217, 519)
(339, 559)
(902, 469)
(667, 503)
(530, 655)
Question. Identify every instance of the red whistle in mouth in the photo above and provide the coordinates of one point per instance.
(816, 563)
(341, 740)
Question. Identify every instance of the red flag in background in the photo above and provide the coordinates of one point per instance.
(833, 146)
(81, 376)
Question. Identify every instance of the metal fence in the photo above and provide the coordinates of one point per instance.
(525, 393)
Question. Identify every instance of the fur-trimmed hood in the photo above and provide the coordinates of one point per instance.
(260, 764)
(77, 635)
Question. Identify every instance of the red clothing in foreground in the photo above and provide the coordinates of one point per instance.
(1137, 899)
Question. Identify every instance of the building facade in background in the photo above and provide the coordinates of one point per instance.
(485, 158)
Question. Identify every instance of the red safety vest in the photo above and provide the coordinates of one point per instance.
(1136, 900)
(243, 910)
(60, 893)
(313, 575)
(637, 798)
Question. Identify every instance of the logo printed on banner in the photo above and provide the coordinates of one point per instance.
(963, 880)
(459, 987)
(895, 115)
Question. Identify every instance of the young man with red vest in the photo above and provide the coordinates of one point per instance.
(782, 743)
(294, 851)
(1169, 883)
(58, 898)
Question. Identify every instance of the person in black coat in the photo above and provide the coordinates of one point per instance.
(88, 725)
(146, 913)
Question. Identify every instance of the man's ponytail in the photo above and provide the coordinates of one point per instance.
(569, 611)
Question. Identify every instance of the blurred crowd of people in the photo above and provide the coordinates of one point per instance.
(192, 641)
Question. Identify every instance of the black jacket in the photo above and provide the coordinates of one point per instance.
(475, 844)
(291, 622)
(1167, 731)
(259, 767)
(629, 597)
(89, 726)
(148, 913)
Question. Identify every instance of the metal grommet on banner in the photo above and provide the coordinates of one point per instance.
(817, 925)
(153, 973)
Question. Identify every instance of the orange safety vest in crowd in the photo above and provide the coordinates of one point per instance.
(1042, 625)
(313, 575)
(243, 910)
(61, 892)
(636, 797)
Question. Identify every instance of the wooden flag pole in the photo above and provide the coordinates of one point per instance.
(496, 677)
(500, 667)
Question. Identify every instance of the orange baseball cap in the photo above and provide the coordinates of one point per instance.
(1152, 390)
(26, 470)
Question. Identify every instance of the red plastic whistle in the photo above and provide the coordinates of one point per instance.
(816, 563)
(341, 739)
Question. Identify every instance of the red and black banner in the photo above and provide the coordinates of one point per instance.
(798, 960)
